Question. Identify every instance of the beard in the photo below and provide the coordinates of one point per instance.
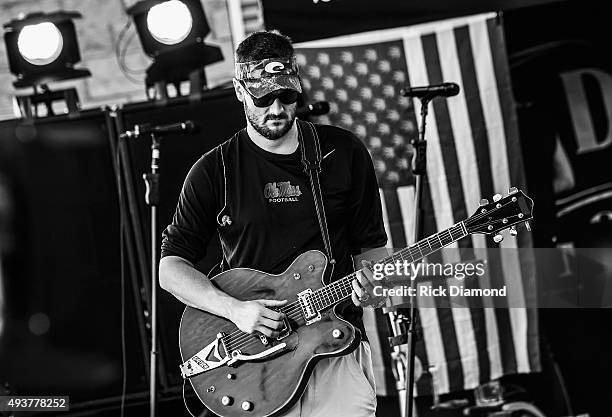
(262, 128)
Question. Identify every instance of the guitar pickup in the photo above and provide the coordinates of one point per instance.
(311, 314)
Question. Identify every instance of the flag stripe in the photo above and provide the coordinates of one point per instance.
(522, 324)
(450, 333)
(385, 216)
(451, 340)
(526, 259)
(461, 316)
(499, 171)
(468, 172)
(378, 319)
(475, 111)
(380, 348)
(432, 333)
(407, 205)
(488, 96)
(485, 179)
(394, 211)
(509, 118)
(406, 197)
(501, 178)
(452, 176)
(381, 361)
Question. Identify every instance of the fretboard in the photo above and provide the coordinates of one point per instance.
(341, 289)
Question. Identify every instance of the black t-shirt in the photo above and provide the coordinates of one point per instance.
(268, 198)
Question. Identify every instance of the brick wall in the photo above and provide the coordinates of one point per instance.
(97, 34)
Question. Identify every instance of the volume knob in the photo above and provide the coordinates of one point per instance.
(247, 405)
(227, 400)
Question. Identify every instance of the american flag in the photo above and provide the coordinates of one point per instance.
(473, 152)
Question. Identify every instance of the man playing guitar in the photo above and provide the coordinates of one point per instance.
(254, 192)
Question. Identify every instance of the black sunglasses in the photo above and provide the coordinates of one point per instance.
(285, 96)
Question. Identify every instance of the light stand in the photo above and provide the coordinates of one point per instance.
(28, 105)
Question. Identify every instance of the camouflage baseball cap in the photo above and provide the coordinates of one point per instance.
(268, 75)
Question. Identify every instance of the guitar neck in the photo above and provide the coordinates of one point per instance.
(341, 289)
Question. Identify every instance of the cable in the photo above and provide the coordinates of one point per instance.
(120, 54)
(185, 399)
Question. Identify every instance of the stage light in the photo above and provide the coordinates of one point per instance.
(43, 47)
(40, 44)
(172, 32)
(169, 22)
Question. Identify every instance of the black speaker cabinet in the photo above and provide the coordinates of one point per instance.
(60, 270)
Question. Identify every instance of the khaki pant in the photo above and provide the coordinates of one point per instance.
(340, 387)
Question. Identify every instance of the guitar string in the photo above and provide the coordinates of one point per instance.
(238, 334)
(241, 337)
(289, 310)
(467, 222)
(251, 339)
(327, 291)
(412, 252)
(318, 295)
(248, 339)
(292, 312)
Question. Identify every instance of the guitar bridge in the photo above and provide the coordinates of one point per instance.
(311, 314)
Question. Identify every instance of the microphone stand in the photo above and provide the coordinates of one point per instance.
(404, 328)
(419, 169)
(152, 199)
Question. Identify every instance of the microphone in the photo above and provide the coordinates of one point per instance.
(317, 108)
(145, 129)
(430, 91)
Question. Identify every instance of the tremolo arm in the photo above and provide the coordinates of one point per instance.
(208, 358)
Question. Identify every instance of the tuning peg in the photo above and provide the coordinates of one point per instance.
(484, 202)
(513, 231)
(497, 197)
(528, 226)
(513, 190)
(498, 238)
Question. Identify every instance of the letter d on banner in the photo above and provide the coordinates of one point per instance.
(580, 111)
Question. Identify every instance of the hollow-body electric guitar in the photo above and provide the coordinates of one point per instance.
(236, 374)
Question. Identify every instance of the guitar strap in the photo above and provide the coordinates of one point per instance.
(310, 149)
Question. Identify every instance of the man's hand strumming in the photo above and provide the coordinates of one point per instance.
(258, 316)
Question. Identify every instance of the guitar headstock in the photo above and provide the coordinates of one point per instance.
(502, 213)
